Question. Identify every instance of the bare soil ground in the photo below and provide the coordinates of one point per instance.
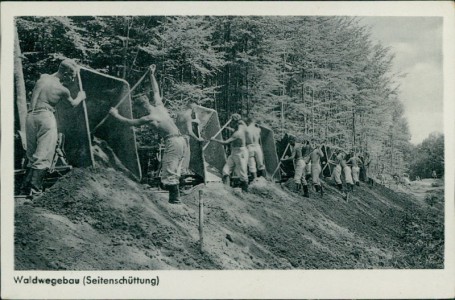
(99, 219)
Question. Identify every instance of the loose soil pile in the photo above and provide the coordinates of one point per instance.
(99, 219)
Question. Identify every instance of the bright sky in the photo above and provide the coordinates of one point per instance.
(417, 44)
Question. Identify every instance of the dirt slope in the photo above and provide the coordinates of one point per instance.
(100, 219)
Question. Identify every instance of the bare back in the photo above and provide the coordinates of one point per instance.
(240, 137)
(160, 120)
(316, 156)
(252, 134)
(184, 120)
(354, 161)
(48, 91)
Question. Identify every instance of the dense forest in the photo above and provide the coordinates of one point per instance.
(320, 76)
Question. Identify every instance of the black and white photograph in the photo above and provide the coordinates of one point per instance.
(225, 142)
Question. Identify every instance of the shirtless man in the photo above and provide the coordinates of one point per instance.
(354, 162)
(299, 165)
(256, 156)
(185, 120)
(237, 162)
(315, 157)
(336, 174)
(306, 151)
(41, 126)
(346, 171)
(175, 145)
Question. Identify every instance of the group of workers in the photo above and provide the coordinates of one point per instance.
(246, 154)
(41, 132)
(306, 158)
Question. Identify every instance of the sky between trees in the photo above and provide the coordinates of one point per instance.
(417, 44)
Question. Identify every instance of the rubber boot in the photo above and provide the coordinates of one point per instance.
(351, 187)
(321, 190)
(255, 175)
(36, 182)
(174, 194)
(227, 180)
(357, 183)
(340, 186)
(261, 173)
(244, 186)
(25, 187)
(306, 193)
(316, 187)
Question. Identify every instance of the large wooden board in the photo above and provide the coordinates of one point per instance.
(214, 154)
(271, 159)
(103, 92)
(73, 123)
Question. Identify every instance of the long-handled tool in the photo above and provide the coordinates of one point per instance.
(279, 163)
(222, 128)
(84, 109)
(121, 100)
(204, 163)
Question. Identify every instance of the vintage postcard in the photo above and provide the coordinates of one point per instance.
(227, 150)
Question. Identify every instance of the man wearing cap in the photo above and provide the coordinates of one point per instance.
(237, 161)
(299, 165)
(41, 126)
(175, 147)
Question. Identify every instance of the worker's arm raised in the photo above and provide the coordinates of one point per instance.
(156, 90)
(131, 122)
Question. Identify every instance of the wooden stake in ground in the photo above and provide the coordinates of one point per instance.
(201, 221)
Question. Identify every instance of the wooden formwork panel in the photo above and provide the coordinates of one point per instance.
(271, 159)
(103, 92)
